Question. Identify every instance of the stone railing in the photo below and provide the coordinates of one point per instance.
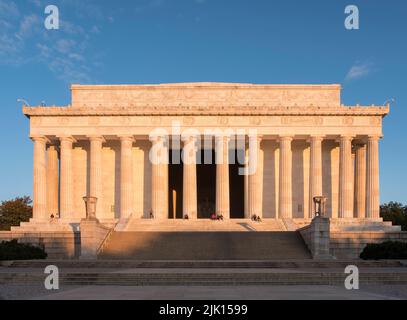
(58, 244)
(105, 240)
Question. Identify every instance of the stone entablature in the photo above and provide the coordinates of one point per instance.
(208, 110)
(269, 126)
(205, 94)
(138, 109)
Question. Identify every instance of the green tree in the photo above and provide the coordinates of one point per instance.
(15, 211)
(395, 212)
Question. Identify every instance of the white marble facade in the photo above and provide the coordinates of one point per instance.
(307, 144)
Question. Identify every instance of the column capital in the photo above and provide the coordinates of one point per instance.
(40, 139)
(345, 137)
(96, 138)
(375, 137)
(223, 137)
(259, 137)
(189, 138)
(67, 138)
(358, 145)
(285, 138)
(126, 138)
(154, 138)
(51, 145)
(316, 138)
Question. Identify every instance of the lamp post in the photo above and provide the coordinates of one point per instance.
(319, 205)
(90, 204)
(25, 103)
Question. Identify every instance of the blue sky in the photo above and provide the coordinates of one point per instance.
(156, 41)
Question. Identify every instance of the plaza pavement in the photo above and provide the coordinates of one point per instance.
(306, 292)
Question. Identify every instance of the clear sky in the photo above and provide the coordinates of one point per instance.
(158, 41)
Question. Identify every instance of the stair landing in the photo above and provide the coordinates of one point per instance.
(204, 225)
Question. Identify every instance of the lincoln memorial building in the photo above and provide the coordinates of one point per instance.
(306, 143)
(181, 154)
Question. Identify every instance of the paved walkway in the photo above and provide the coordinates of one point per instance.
(36, 290)
(40, 271)
(212, 293)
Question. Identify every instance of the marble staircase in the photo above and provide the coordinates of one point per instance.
(203, 273)
(208, 245)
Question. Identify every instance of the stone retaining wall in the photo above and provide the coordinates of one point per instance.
(349, 245)
(348, 238)
(58, 245)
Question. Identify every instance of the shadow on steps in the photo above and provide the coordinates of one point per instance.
(205, 246)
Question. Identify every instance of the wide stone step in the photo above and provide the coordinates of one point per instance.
(204, 278)
(273, 264)
(205, 246)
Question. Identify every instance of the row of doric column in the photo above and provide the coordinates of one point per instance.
(358, 179)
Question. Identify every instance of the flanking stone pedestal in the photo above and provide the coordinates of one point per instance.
(317, 237)
(93, 234)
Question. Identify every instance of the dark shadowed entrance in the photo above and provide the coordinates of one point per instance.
(175, 188)
(206, 180)
(236, 185)
(206, 187)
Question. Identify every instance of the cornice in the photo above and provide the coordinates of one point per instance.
(207, 85)
(208, 111)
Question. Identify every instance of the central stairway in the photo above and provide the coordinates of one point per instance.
(231, 245)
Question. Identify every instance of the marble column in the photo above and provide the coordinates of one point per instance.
(360, 181)
(315, 175)
(66, 178)
(95, 181)
(189, 195)
(255, 205)
(372, 179)
(159, 179)
(222, 176)
(39, 179)
(345, 178)
(126, 176)
(52, 181)
(285, 192)
(246, 183)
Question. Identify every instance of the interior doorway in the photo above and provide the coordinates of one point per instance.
(236, 184)
(175, 186)
(206, 180)
(206, 186)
